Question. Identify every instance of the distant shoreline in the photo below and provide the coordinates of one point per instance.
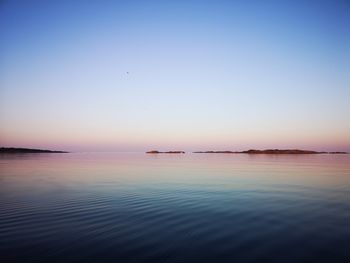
(156, 152)
(274, 151)
(253, 151)
(26, 150)
(10, 150)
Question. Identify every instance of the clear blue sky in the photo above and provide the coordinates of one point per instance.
(202, 75)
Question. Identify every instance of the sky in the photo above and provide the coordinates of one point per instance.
(175, 75)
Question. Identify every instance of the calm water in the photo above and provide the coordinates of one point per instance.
(135, 207)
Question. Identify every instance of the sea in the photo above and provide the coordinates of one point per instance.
(137, 207)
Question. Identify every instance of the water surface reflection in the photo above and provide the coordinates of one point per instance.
(133, 207)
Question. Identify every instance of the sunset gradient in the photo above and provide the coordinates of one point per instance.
(184, 75)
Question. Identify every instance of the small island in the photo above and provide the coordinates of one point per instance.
(26, 150)
(274, 151)
(156, 152)
(284, 151)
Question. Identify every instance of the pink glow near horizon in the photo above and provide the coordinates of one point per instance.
(170, 76)
(173, 143)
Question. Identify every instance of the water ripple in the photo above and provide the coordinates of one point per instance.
(200, 212)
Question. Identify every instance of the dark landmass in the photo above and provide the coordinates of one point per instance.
(26, 150)
(165, 152)
(278, 151)
(218, 152)
(274, 151)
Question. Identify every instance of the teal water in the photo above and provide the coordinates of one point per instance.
(133, 207)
